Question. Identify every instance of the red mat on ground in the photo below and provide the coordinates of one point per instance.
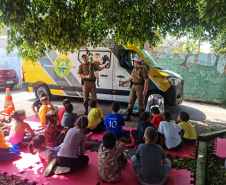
(33, 118)
(188, 151)
(19, 165)
(220, 149)
(32, 171)
(86, 176)
(180, 177)
(98, 137)
(35, 126)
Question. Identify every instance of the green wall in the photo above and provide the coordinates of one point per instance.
(202, 81)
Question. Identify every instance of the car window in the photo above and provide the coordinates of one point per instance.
(126, 58)
(97, 56)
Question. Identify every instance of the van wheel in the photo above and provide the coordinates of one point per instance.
(153, 99)
(42, 88)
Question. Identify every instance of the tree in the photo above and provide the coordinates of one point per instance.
(188, 49)
(37, 26)
(219, 49)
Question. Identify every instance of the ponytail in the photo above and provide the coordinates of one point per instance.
(30, 148)
(36, 143)
(82, 122)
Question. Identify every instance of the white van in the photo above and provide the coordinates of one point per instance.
(56, 74)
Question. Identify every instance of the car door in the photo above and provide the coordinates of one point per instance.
(123, 69)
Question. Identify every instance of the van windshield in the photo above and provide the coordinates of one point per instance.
(150, 60)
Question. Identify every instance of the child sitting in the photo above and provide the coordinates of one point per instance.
(17, 134)
(44, 109)
(94, 117)
(62, 110)
(157, 117)
(7, 151)
(114, 122)
(71, 153)
(189, 135)
(170, 133)
(45, 153)
(143, 123)
(37, 104)
(4, 120)
(69, 117)
(110, 158)
(54, 131)
(150, 162)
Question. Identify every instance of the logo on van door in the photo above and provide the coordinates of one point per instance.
(63, 64)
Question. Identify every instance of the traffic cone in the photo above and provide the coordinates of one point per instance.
(8, 110)
(8, 99)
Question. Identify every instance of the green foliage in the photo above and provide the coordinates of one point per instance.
(38, 26)
(184, 163)
(188, 47)
(215, 172)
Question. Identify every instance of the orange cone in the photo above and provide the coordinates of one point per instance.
(8, 110)
(8, 99)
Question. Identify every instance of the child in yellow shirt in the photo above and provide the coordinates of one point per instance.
(96, 118)
(44, 109)
(189, 137)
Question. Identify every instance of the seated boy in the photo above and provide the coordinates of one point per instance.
(62, 110)
(69, 117)
(110, 158)
(37, 104)
(170, 133)
(94, 117)
(45, 109)
(114, 122)
(143, 123)
(189, 135)
(150, 162)
(157, 117)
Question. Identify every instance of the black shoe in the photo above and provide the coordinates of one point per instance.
(129, 112)
(86, 111)
(127, 118)
(124, 162)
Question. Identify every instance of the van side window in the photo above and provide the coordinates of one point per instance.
(125, 58)
(100, 58)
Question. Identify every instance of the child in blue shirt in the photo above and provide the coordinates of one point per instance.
(114, 122)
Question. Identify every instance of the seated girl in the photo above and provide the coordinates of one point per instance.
(7, 151)
(18, 134)
(39, 145)
(71, 153)
(54, 132)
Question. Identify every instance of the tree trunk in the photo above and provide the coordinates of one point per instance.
(196, 58)
(185, 60)
(216, 61)
(224, 72)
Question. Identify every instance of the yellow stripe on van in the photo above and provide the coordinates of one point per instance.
(34, 72)
(158, 77)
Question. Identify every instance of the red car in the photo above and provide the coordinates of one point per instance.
(8, 77)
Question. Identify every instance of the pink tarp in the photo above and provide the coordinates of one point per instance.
(220, 149)
(30, 168)
(188, 151)
(98, 137)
